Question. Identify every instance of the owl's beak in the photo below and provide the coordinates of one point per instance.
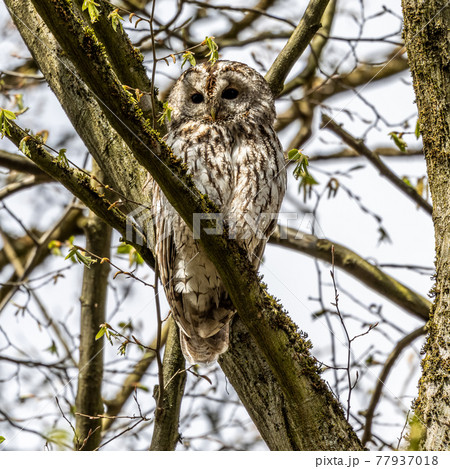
(213, 113)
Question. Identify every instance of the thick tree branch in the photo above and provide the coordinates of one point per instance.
(93, 305)
(121, 169)
(22, 184)
(317, 46)
(165, 431)
(427, 42)
(19, 163)
(356, 266)
(79, 184)
(125, 59)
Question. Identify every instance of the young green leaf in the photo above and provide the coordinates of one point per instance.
(133, 255)
(189, 56)
(60, 437)
(104, 330)
(77, 256)
(116, 20)
(5, 118)
(23, 147)
(62, 158)
(398, 140)
(301, 171)
(417, 130)
(166, 113)
(213, 53)
(53, 349)
(92, 9)
(123, 348)
(54, 247)
(2, 439)
(19, 102)
(142, 387)
(101, 332)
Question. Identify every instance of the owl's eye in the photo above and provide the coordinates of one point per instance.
(197, 98)
(230, 93)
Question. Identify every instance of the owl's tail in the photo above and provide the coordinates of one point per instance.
(205, 351)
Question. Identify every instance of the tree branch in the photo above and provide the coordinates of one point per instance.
(317, 45)
(115, 404)
(165, 431)
(79, 184)
(61, 230)
(19, 163)
(104, 144)
(249, 18)
(382, 151)
(356, 266)
(297, 43)
(426, 39)
(22, 184)
(93, 305)
(381, 380)
(361, 148)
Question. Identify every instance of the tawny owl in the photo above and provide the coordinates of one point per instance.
(222, 127)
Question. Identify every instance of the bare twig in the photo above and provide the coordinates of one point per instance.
(344, 327)
(66, 419)
(115, 405)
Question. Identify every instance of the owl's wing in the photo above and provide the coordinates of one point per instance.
(260, 185)
(192, 285)
(165, 250)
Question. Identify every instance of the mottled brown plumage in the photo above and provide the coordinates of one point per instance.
(222, 127)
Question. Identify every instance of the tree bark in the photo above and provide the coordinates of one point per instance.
(311, 422)
(165, 434)
(93, 305)
(426, 33)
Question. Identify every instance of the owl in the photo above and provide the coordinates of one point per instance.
(221, 126)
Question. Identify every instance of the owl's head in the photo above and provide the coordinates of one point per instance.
(223, 92)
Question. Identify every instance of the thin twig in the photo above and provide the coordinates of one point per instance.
(400, 438)
(66, 419)
(344, 327)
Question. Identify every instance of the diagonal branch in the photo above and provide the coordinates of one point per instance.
(362, 149)
(19, 163)
(381, 381)
(353, 264)
(79, 184)
(298, 42)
